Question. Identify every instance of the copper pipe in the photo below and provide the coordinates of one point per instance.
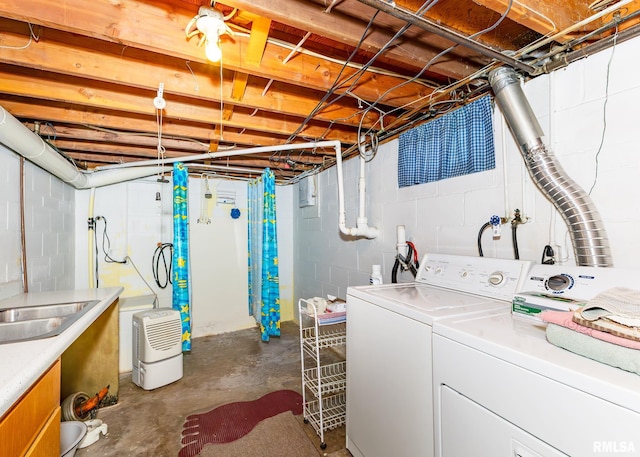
(25, 278)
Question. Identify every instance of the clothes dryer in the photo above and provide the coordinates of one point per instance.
(389, 409)
(500, 389)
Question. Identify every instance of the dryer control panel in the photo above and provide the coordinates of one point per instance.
(564, 288)
(488, 277)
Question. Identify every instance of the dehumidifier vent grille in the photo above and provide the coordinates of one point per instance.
(163, 335)
(159, 334)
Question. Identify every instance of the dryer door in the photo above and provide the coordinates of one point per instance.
(469, 429)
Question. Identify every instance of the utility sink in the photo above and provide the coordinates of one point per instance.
(42, 321)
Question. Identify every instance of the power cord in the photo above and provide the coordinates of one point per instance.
(106, 243)
(106, 246)
(604, 113)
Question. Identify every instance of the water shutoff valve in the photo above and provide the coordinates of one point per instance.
(495, 226)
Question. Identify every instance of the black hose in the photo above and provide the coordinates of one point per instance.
(394, 271)
(482, 229)
(405, 261)
(547, 256)
(514, 240)
(155, 264)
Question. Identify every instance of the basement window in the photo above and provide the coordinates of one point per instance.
(455, 144)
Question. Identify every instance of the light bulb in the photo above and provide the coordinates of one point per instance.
(212, 50)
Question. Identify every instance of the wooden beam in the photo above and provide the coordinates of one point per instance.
(102, 136)
(258, 39)
(60, 52)
(52, 87)
(257, 42)
(545, 17)
(54, 112)
(346, 23)
(159, 27)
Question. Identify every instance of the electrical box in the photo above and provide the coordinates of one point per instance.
(307, 189)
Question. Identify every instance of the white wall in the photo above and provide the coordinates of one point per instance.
(137, 222)
(49, 228)
(446, 216)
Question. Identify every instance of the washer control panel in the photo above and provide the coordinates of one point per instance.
(484, 276)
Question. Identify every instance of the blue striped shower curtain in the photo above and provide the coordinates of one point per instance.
(180, 260)
(264, 283)
(455, 144)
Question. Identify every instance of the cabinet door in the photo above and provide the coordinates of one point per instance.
(47, 443)
(24, 421)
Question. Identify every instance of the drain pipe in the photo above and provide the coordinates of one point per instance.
(17, 137)
(588, 235)
(362, 228)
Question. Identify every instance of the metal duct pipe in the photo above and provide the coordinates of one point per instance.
(17, 137)
(588, 236)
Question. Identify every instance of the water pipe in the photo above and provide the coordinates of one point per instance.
(219, 154)
(362, 228)
(17, 137)
(91, 240)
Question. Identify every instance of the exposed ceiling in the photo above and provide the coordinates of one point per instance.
(85, 74)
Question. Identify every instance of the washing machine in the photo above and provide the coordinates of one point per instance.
(389, 409)
(500, 389)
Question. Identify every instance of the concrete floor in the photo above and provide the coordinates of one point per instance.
(235, 366)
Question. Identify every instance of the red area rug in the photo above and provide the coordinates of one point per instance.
(229, 422)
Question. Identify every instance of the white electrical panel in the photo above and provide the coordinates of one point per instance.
(307, 189)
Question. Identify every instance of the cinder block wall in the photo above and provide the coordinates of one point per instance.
(446, 216)
(49, 228)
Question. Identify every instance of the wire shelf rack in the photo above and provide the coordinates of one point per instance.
(333, 378)
(331, 416)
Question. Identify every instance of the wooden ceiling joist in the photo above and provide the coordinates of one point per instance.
(293, 71)
(53, 88)
(138, 69)
(163, 32)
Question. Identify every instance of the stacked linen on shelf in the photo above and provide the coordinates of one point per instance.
(332, 318)
(606, 329)
(336, 312)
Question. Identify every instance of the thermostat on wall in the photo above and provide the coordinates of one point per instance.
(307, 189)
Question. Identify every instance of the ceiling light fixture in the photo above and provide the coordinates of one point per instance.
(209, 23)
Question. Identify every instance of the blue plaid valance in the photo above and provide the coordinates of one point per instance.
(456, 144)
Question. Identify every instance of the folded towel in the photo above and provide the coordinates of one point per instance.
(565, 319)
(618, 304)
(606, 325)
(601, 351)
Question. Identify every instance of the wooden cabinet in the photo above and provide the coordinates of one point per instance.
(32, 426)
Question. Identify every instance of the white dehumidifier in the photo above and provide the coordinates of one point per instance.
(157, 348)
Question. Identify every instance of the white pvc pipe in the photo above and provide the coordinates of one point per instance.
(361, 229)
(20, 139)
(107, 177)
(230, 153)
(362, 187)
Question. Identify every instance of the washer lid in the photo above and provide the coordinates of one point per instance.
(424, 303)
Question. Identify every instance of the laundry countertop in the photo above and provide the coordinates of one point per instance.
(21, 364)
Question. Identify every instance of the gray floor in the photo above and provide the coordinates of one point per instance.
(220, 369)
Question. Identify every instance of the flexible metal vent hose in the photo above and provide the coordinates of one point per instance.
(588, 235)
